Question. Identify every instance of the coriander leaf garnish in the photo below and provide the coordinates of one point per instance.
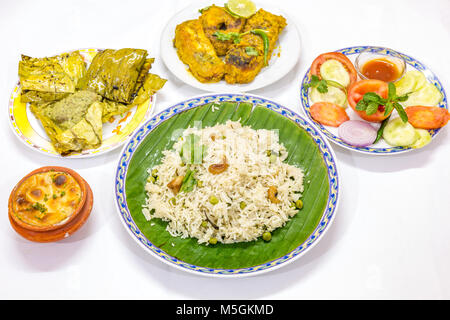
(392, 93)
(372, 107)
(41, 208)
(315, 82)
(371, 101)
(236, 37)
(322, 87)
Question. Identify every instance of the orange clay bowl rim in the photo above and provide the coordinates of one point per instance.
(76, 176)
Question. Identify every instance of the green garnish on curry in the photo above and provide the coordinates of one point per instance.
(236, 37)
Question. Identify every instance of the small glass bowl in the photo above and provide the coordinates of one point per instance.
(371, 53)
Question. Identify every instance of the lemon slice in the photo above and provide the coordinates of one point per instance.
(241, 8)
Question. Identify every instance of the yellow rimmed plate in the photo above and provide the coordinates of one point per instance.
(30, 131)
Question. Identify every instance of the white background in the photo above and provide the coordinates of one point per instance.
(390, 238)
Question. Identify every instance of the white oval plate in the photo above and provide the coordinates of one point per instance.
(284, 57)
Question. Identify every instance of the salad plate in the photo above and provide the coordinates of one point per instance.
(307, 148)
(284, 56)
(381, 147)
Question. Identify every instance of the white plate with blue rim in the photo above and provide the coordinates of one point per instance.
(304, 230)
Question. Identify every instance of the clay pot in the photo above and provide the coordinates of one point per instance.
(55, 232)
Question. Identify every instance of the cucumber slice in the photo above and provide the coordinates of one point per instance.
(428, 96)
(334, 95)
(424, 138)
(397, 133)
(335, 71)
(413, 80)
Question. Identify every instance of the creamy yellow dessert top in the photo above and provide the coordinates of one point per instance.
(46, 199)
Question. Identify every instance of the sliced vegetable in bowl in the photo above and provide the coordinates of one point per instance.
(375, 101)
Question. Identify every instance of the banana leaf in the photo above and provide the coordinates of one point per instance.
(38, 97)
(57, 74)
(151, 84)
(111, 109)
(73, 123)
(115, 74)
(144, 70)
(303, 152)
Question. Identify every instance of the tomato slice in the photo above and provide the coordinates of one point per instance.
(358, 89)
(328, 114)
(423, 117)
(342, 58)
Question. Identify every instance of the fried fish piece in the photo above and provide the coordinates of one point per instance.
(245, 59)
(195, 50)
(215, 19)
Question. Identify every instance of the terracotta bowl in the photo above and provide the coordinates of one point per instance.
(56, 231)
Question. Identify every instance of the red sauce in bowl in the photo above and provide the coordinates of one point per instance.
(381, 69)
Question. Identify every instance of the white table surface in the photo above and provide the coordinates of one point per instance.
(390, 238)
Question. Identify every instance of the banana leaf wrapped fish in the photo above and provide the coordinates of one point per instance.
(40, 96)
(112, 108)
(72, 103)
(56, 75)
(73, 123)
(115, 74)
(149, 87)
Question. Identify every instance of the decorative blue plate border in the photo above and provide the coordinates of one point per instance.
(137, 138)
(371, 149)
